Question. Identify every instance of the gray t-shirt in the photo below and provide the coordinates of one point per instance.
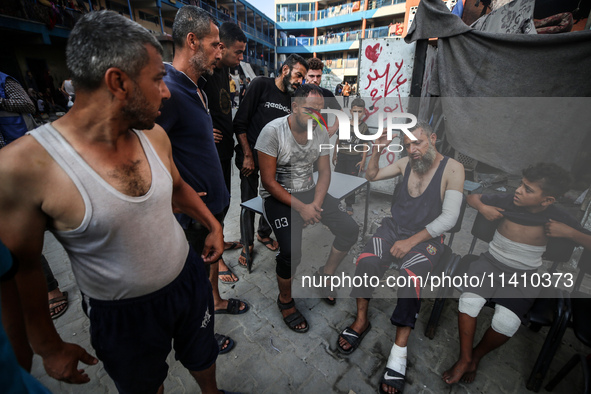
(295, 162)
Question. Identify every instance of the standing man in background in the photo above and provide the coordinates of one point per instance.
(314, 76)
(186, 119)
(233, 44)
(15, 107)
(346, 94)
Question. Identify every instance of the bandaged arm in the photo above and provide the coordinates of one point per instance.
(450, 211)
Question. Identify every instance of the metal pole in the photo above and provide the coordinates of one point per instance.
(130, 13)
(159, 5)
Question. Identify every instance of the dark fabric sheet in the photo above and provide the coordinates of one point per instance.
(512, 132)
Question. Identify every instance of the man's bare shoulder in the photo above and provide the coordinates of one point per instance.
(24, 157)
(454, 167)
(157, 135)
(401, 163)
(454, 175)
(24, 167)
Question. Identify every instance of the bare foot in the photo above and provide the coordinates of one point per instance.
(359, 326)
(59, 302)
(388, 389)
(469, 377)
(242, 258)
(222, 268)
(458, 371)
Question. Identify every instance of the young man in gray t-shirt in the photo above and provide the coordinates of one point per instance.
(292, 200)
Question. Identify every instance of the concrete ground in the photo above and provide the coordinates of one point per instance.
(269, 358)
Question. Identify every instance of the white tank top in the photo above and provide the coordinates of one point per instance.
(125, 246)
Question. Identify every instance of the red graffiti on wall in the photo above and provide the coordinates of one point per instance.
(373, 53)
(384, 85)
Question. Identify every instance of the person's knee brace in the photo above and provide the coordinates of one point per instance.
(505, 321)
(471, 304)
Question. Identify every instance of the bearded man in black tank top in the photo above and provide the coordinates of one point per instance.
(428, 204)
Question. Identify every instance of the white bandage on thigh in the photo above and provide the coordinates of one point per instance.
(397, 359)
(450, 211)
(471, 304)
(505, 321)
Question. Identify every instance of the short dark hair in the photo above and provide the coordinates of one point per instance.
(315, 64)
(230, 33)
(553, 179)
(423, 125)
(104, 39)
(358, 102)
(190, 19)
(306, 89)
(292, 60)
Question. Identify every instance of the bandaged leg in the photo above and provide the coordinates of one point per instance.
(397, 359)
(471, 304)
(505, 321)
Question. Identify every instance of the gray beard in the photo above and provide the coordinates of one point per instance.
(422, 165)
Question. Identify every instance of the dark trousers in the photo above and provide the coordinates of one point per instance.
(345, 101)
(49, 278)
(417, 263)
(227, 171)
(288, 224)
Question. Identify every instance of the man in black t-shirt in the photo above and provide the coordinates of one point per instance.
(265, 100)
(217, 89)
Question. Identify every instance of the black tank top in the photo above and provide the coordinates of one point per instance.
(412, 214)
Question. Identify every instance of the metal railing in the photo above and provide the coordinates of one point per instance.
(335, 38)
(296, 16)
(37, 12)
(375, 4)
(377, 32)
(341, 63)
(343, 9)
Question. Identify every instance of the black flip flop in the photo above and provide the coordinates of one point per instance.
(353, 338)
(393, 379)
(233, 308)
(221, 339)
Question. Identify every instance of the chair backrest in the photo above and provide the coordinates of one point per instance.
(584, 268)
(483, 230)
(558, 250)
(458, 225)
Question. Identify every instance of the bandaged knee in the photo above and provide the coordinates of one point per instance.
(471, 304)
(450, 212)
(505, 321)
(397, 359)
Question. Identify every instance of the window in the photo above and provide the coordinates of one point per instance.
(117, 7)
(149, 18)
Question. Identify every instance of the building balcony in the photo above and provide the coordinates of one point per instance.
(339, 10)
(377, 32)
(377, 4)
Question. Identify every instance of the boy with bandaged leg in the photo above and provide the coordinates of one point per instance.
(527, 220)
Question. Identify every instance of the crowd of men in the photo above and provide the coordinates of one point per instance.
(145, 140)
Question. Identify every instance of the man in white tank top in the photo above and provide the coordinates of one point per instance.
(107, 192)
